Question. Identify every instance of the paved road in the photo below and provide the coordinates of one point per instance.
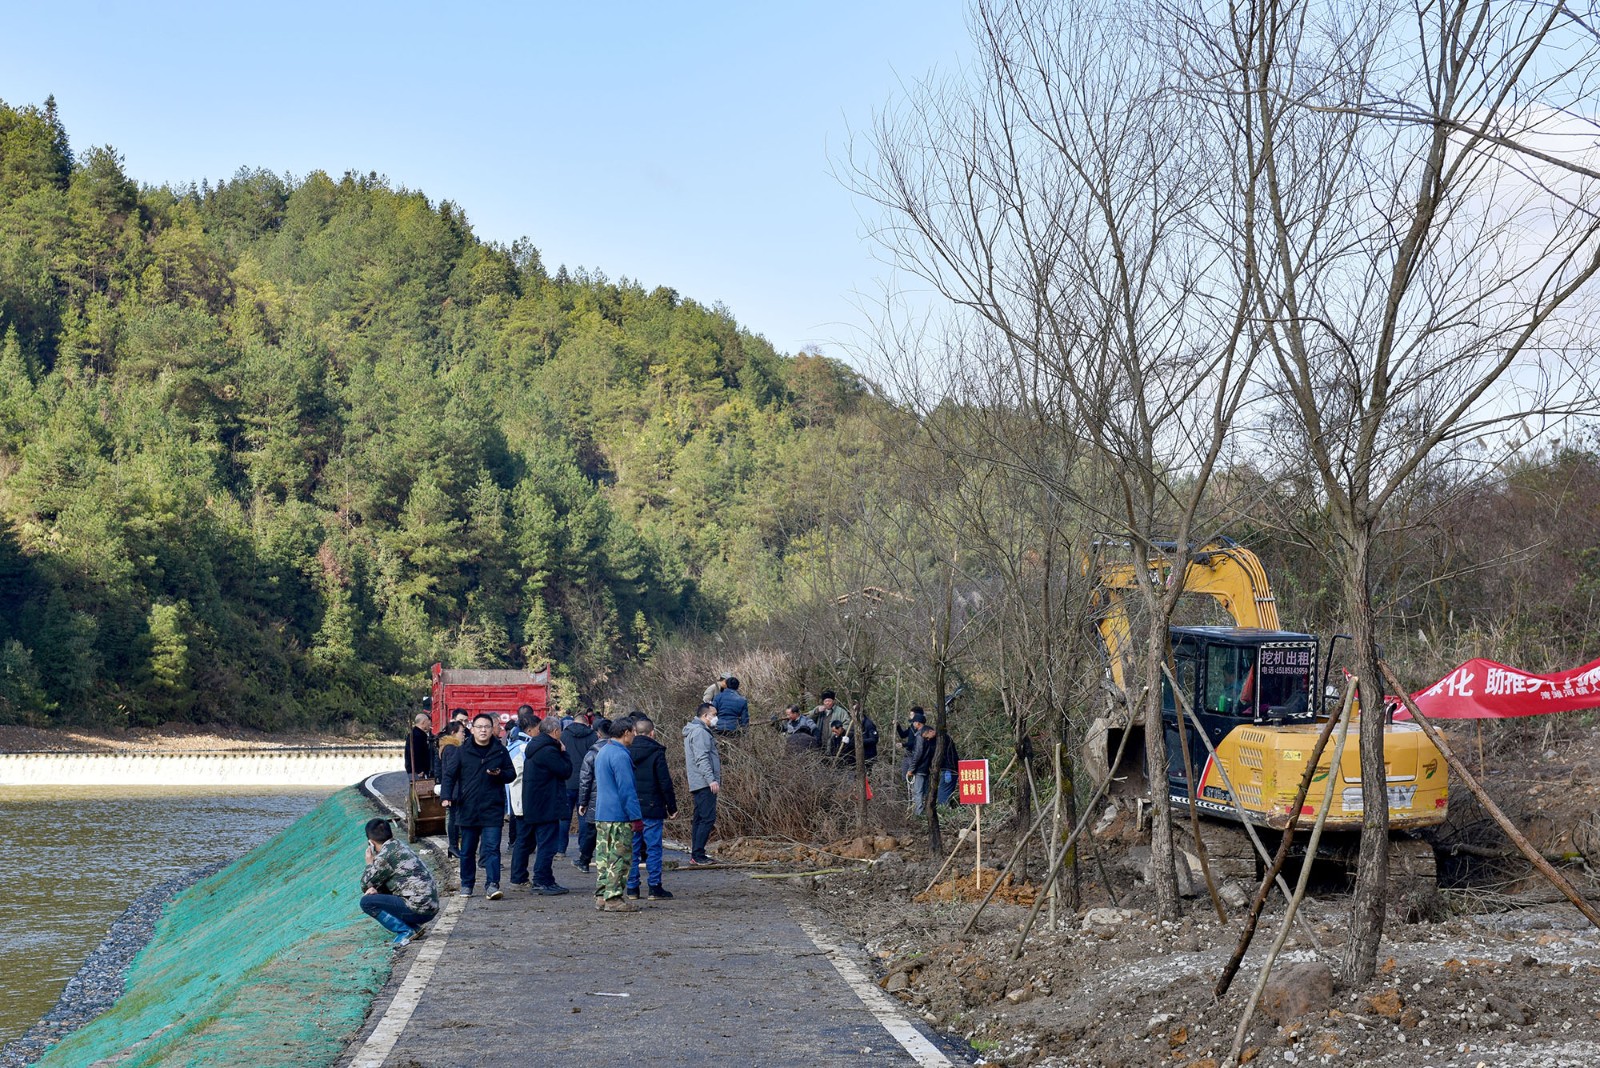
(722, 974)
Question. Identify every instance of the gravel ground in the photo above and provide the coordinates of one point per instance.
(100, 981)
(1115, 988)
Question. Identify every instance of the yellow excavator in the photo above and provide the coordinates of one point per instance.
(1254, 688)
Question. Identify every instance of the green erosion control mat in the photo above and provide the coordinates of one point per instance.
(268, 962)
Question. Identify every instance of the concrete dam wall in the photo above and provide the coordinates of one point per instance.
(332, 767)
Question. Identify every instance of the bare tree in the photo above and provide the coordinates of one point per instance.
(1420, 251)
(1062, 201)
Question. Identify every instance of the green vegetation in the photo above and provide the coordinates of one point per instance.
(270, 447)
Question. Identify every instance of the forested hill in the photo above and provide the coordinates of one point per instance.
(269, 447)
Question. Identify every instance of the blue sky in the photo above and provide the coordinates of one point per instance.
(688, 145)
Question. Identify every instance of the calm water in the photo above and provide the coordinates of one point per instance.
(72, 859)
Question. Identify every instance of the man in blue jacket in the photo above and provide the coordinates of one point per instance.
(545, 767)
(617, 818)
(733, 711)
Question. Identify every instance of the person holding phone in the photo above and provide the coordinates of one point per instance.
(473, 787)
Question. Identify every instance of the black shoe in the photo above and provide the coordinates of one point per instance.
(552, 890)
(632, 891)
(659, 892)
(582, 866)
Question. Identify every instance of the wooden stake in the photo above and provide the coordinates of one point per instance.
(1300, 884)
(1265, 890)
(1055, 836)
(1544, 867)
(977, 865)
(1038, 820)
(1194, 811)
(960, 838)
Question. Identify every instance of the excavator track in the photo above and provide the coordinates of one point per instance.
(1413, 866)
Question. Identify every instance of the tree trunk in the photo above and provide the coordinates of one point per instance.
(1372, 869)
(1162, 878)
(1022, 747)
(858, 715)
(935, 838)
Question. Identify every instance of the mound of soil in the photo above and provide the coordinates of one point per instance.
(963, 886)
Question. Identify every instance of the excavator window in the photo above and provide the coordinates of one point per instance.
(1230, 680)
(1185, 669)
(1288, 674)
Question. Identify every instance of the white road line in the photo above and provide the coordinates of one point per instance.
(878, 1003)
(381, 1042)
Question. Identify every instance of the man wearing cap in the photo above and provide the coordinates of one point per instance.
(715, 688)
(911, 741)
(829, 712)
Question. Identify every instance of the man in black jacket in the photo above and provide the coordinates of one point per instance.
(948, 760)
(474, 785)
(546, 765)
(657, 804)
(577, 736)
(419, 748)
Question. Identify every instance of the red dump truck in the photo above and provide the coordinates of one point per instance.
(493, 690)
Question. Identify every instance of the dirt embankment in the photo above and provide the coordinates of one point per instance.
(1112, 986)
(1507, 975)
(168, 738)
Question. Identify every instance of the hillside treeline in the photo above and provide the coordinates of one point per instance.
(271, 446)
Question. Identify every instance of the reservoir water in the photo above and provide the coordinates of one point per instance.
(73, 858)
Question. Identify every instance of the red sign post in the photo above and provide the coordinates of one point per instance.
(972, 779)
(972, 788)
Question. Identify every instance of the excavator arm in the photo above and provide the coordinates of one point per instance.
(1221, 569)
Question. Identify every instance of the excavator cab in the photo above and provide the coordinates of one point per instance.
(1231, 677)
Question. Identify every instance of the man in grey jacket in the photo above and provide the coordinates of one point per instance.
(703, 766)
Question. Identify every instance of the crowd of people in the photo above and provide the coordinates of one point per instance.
(527, 778)
(831, 730)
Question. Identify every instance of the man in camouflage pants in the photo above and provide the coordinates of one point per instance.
(617, 818)
(397, 889)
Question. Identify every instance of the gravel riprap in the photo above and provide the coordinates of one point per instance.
(101, 980)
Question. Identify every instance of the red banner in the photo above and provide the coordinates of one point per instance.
(1483, 689)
